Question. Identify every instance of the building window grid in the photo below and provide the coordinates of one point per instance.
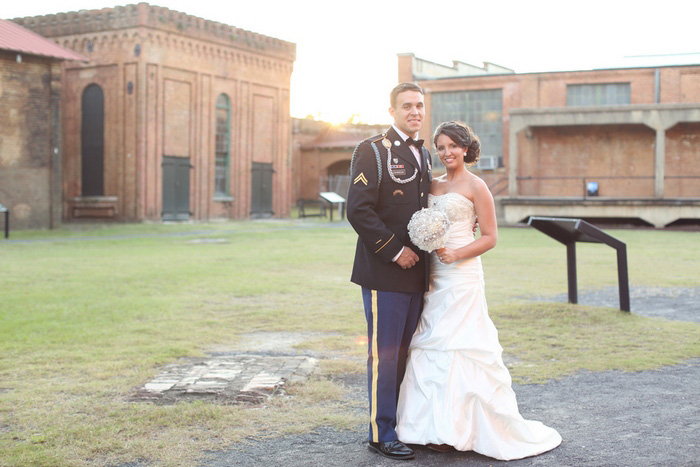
(223, 145)
(590, 95)
(482, 110)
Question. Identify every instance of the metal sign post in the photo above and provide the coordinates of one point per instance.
(334, 198)
(569, 231)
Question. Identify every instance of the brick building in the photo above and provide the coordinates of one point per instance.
(30, 137)
(173, 118)
(322, 154)
(620, 143)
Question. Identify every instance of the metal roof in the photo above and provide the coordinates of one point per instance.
(15, 38)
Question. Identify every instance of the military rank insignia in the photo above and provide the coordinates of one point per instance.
(360, 178)
(398, 169)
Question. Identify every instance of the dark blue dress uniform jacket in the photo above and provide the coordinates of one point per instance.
(379, 212)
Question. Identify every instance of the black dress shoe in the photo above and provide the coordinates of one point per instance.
(392, 449)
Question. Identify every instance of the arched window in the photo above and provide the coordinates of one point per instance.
(223, 146)
(92, 141)
(339, 177)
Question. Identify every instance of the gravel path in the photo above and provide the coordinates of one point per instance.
(674, 303)
(606, 419)
(609, 418)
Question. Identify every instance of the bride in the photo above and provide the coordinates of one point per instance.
(456, 393)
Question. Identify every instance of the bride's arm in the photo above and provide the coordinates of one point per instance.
(486, 213)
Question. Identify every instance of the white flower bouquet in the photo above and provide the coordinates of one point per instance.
(428, 229)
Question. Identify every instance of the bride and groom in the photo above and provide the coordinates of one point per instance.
(434, 370)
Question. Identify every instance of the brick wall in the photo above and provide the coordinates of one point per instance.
(161, 72)
(683, 160)
(29, 187)
(625, 151)
(549, 155)
(318, 147)
(316, 164)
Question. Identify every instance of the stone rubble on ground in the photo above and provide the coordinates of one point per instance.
(232, 378)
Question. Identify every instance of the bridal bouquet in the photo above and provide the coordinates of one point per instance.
(428, 229)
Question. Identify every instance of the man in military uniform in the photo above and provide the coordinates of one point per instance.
(390, 180)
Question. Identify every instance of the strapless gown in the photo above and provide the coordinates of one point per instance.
(456, 390)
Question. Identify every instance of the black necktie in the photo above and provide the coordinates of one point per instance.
(417, 143)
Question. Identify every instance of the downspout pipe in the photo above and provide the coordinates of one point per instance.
(657, 85)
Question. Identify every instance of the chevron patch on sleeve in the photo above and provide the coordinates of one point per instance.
(360, 178)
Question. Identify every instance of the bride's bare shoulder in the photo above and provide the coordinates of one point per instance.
(478, 188)
(471, 186)
(475, 181)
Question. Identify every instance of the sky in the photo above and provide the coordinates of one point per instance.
(347, 51)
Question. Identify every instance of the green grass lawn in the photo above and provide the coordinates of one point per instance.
(85, 321)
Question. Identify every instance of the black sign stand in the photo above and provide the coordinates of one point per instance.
(7, 220)
(569, 231)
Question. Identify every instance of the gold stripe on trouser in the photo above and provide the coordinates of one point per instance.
(375, 369)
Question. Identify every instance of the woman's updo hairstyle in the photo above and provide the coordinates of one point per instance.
(463, 136)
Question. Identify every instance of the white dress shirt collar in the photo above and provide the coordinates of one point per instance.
(403, 135)
(413, 149)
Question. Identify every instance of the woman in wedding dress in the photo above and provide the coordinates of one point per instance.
(456, 393)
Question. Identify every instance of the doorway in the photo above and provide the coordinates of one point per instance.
(261, 190)
(176, 188)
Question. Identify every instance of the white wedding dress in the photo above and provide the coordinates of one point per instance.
(456, 390)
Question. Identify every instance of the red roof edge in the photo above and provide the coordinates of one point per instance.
(15, 38)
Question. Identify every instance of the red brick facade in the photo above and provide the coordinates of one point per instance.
(647, 149)
(322, 154)
(161, 73)
(587, 149)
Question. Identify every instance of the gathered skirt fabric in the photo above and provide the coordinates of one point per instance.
(456, 389)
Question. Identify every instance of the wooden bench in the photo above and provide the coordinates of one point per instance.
(305, 203)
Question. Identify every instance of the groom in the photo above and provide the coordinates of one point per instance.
(390, 180)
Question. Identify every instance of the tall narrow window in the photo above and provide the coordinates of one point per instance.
(92, 141)
(223, 146)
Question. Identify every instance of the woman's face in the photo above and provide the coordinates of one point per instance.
(451, 155)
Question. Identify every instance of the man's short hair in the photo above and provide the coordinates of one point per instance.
(403, 87)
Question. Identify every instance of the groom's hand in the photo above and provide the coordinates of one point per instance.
(407, 259)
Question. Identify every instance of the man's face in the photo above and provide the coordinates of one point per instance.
(409, 112)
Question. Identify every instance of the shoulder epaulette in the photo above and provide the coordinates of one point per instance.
(376, 154)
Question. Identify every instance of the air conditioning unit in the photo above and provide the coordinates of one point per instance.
(487, 163)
